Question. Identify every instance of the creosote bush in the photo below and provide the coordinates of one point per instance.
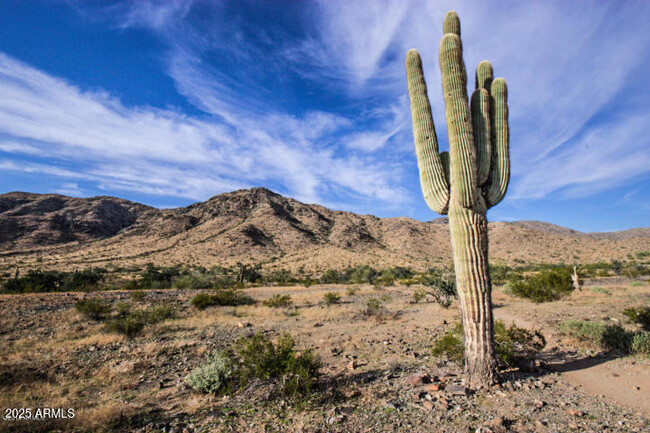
(547, 285)
(607, 337)
(221, 298)
(332, 298)
(442, 289)
(93, 309)
(257, 357)
(512, 344)
(130, 322)
(639, 315)
(418, 295)
(278, 301)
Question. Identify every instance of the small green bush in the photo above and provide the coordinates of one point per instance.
(257, 357)
(279, 301)
(138, 295)
(352, 290)
(598, 289)
(512, 344)
(160, 313)
(641, 343)
(332, 298)
(443, 290)
(418, 295)
(131, 322)
(221, 298)
(373, 307)
(92, 309)
(548, 285)
(602, 335)
(130, 325)
(639, 315)
(451, 344)
(214, 376)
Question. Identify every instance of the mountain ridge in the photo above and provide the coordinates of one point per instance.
(259, 225)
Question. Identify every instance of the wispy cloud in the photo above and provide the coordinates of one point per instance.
(319, 110)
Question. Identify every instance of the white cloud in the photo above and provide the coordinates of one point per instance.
(162, 152)
(565, 64)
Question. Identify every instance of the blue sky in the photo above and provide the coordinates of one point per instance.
(172, 102)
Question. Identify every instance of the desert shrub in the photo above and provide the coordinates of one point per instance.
(401, 273)
(442, 289)
(351, 291)
(331, 276)
(123, 309)
(332, 298)
(451, 344)
(92, 309)
(616, 266)
(138, 295)
(131, 322)
(278, 301)
(501, 274)
(375, 309)
(81, 280)
(639, 315)
(641, 343)
(599, 334)
(193, 281)
(598, 289)
(247, 273)
(418, 295)
(361, 274)
(221, 298)
(214, 376)
(547, 285)
(512, 344)
(280, 276)
(160, 314)
(33, 281)
(130, 325)
(154, 277)
(257, 357)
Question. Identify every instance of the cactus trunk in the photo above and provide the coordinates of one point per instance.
(464, 183)
(469, 240)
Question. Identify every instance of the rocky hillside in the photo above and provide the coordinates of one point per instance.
(258, 225)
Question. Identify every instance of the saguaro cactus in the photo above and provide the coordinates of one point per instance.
(465, 182)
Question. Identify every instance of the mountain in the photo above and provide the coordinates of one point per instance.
(258, 225)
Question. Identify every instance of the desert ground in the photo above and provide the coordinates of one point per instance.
(378, 373)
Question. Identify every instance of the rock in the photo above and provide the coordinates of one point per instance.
(244, 325)
(575, 412)
(353, 393)
(418, 379)
(457, 389)
(540, 404)
(434, 387)
(497, 422)
(318, 325)
(441, 405)
(428, 405)
(352, 365)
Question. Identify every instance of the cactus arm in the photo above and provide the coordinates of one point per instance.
(500, 166)
(480, 108)
(461, 141)
(435, 186)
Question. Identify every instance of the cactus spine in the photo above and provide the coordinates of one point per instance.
(465, 182)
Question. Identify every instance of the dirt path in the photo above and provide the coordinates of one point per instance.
(625, 381)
